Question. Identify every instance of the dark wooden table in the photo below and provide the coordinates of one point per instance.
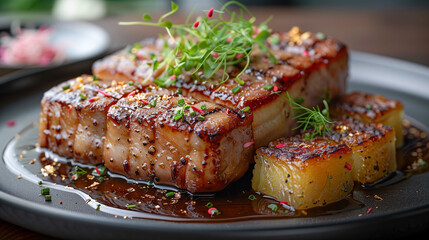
(399, 33)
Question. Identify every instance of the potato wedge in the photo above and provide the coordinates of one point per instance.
(367, 107)
(305, 173)
(374, 151)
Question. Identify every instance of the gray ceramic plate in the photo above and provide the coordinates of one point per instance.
(404, 210)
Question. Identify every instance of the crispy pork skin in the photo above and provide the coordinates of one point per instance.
(202, 150)
(73, 117)
(304, 173)
(372, 108)
(308, 67)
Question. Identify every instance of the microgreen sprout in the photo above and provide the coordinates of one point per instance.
(315, 119)
(211, 43)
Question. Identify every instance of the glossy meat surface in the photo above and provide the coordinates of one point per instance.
(307, 67)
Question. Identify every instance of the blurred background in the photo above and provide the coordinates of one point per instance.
(397, 28)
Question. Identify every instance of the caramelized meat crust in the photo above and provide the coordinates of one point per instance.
(308, 67)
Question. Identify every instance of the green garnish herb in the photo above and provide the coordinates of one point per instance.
(153, 103)
(299, 100)
(209, 205)
(95, 78)
(45, 191)
(235, 89)
(131, 83)
(200, 118)
(40, 183)
(209, 44)
(252, 197)
(66, 87)
(268, 87)
(131, 206)
(179, 91)
(245, 109)
(203, 107)
(314, 119)
(78, 172)
(178, 115)
(82, 96)
(147, 17)
(48, 198)
(368, 107)
(98, 207)
(181, 102)
(273, 207)
(99, 171)
(170, 194)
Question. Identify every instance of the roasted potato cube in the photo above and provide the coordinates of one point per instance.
(366, 107)
(374, 152)
(305, 173)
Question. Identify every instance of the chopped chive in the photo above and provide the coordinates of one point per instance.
(369, 107)
(245, 109)
(40, 183)
(153, 103)
(131, 206)
(82, 96)
(200, 118)
(95, 78)
(252, 197)
(273, 207)
(44, 191)
(179, 91)
(130, 83)
(236, 89)
(48, 198)
(181, 102)
(100, 179)
(178, 116)
(203, 107)
(209, 205)
(98, 207)
(268, 87)
(170, 194)
(66, 87)
(192, 113)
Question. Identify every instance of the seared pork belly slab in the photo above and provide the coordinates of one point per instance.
(304, 173)
(308, 66)
(195, 145)
(73, 117)
(371, 108)
(374, 151)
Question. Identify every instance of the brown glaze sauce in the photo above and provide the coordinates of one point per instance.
(237, 202)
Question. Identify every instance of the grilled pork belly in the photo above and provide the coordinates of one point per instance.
(367, 107)
(73, 117)
(202, 149)
(308, 67)
(147, 133)
(374, 152)
(304, 173)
